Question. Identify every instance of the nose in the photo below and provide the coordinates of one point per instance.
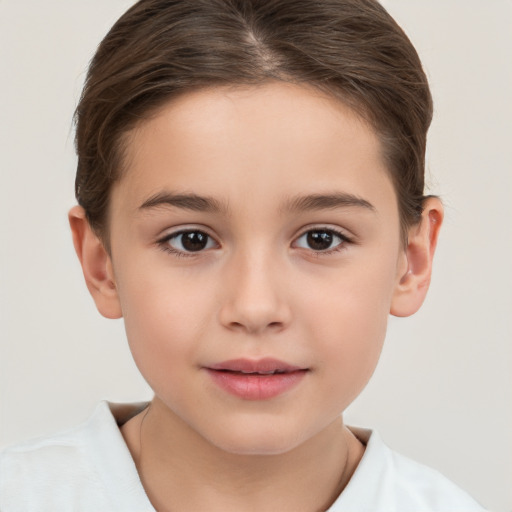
(255, 298)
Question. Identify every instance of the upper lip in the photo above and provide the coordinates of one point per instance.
(265, 365)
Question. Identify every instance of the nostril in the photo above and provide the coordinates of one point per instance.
(254, 316)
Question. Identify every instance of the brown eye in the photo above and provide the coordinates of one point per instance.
(320, 240)
(190, 241)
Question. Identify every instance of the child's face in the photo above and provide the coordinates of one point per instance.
(293, 253)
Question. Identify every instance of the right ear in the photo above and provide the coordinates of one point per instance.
(96, 264)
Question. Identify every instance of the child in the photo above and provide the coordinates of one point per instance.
(250, 182)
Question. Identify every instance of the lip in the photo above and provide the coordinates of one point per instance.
(260, 379)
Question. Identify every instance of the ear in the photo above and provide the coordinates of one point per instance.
(96, 264)
(414, 273)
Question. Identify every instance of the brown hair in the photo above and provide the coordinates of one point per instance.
(351, 49)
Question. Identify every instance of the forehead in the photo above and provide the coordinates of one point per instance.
(274, 141)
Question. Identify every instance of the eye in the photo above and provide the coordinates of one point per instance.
(321, 240)
(188, 241)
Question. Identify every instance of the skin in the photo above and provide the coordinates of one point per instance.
(258, 289)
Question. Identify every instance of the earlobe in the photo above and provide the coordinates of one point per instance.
(413, 279)
(96, 264)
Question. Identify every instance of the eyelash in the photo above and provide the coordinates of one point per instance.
(344, 241)
(164, 245)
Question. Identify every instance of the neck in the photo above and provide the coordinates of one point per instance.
(180, 470)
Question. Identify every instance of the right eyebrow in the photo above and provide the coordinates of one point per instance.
(192, 202)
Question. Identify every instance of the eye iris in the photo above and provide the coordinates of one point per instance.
(319, 240)
(194, 241)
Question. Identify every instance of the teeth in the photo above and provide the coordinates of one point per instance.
(270, 372)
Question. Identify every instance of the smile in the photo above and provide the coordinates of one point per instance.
(256, 380)
(272, 372)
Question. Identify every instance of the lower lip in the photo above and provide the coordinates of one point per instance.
(256, 387)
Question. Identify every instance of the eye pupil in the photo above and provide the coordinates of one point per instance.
(194, 241)
(319, 240)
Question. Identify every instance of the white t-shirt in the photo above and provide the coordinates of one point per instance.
(90, 469)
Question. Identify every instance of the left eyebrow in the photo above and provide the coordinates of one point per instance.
(327, 202)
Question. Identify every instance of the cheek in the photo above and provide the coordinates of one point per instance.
(350, 356)
(351, 336)
(165, 317)
(348, 320)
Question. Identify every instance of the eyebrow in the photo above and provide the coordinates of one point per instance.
(207, 204)
(327, 201)
(192, 202)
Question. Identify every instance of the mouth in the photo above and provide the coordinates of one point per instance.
(266, 366)
(261, 379)
(271, 372)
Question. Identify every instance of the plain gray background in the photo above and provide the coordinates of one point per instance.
(442, 393)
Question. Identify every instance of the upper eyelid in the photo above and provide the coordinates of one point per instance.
(168, 233)
(344, 239)
(343, 233)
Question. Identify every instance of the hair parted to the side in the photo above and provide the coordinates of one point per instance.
(351, 49)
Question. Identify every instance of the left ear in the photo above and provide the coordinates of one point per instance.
(414, 278)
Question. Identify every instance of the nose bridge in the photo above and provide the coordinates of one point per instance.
(255, 298)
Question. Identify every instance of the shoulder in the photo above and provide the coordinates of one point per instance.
(421, 485)
(71, 470)
(59, 462)
(386, 481)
